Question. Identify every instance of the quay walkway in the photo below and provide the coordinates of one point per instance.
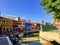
(49, 36)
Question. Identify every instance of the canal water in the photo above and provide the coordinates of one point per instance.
(34, 43)
(41, 42)
(31, 43)
(29, 36)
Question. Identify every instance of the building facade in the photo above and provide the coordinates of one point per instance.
(21, 26)
(5, 25)
(18, 26)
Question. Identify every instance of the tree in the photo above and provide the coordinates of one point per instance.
(52, 6)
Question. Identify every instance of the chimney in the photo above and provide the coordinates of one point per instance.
(18, 18)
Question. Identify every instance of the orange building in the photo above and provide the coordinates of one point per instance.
(8, 25)
(5, 24)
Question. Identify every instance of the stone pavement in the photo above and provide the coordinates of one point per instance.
(45, 37)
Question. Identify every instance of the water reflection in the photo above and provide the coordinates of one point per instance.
(31, 43)
(29, 36)
(35, 43)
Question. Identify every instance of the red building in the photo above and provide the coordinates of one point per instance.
(18, 26)
(21, 26)
(48, 23)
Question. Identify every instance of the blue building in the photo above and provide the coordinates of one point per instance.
(27, 26)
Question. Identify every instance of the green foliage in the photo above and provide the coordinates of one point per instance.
(52, 6)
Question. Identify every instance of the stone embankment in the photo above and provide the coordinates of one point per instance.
(46, 37)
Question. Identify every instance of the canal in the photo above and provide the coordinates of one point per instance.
(34, 39)
(31, 39)
(32, 43)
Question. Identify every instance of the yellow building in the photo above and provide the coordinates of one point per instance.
(5, 24)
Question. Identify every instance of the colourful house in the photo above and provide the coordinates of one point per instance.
(21, 26)
(15, 26)
(5, 24)
(27, 26)
(37, 26)
(33, 26)
(18, 26)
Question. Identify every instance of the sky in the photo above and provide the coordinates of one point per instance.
(25, 9)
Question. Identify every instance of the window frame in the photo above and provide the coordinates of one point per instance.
(3, 21)
(11, 22)
(0, 20)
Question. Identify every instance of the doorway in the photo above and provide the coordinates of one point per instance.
(0, 30)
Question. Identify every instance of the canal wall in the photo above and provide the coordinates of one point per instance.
(45, 42)
(49, 36)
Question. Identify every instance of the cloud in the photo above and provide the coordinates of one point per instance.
(10, 16)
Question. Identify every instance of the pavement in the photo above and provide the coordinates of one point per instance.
(46, 37)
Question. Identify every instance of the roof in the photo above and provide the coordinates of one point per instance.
(7, 18)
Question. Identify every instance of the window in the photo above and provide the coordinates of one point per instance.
(7, 29)
(11, 29)
(32, 28)
(20, 23)
(0, 30)
(4, 28)
(15, 29)
(4, 21)
(15, 22)
(11, 22)
(18, 28)
(0, 20)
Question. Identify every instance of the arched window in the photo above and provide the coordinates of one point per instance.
(0, 30)
(4, 28)
(4, 21)
(0, 20)
(11, 22)
(7, 29)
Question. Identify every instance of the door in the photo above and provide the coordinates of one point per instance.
(0, 30)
